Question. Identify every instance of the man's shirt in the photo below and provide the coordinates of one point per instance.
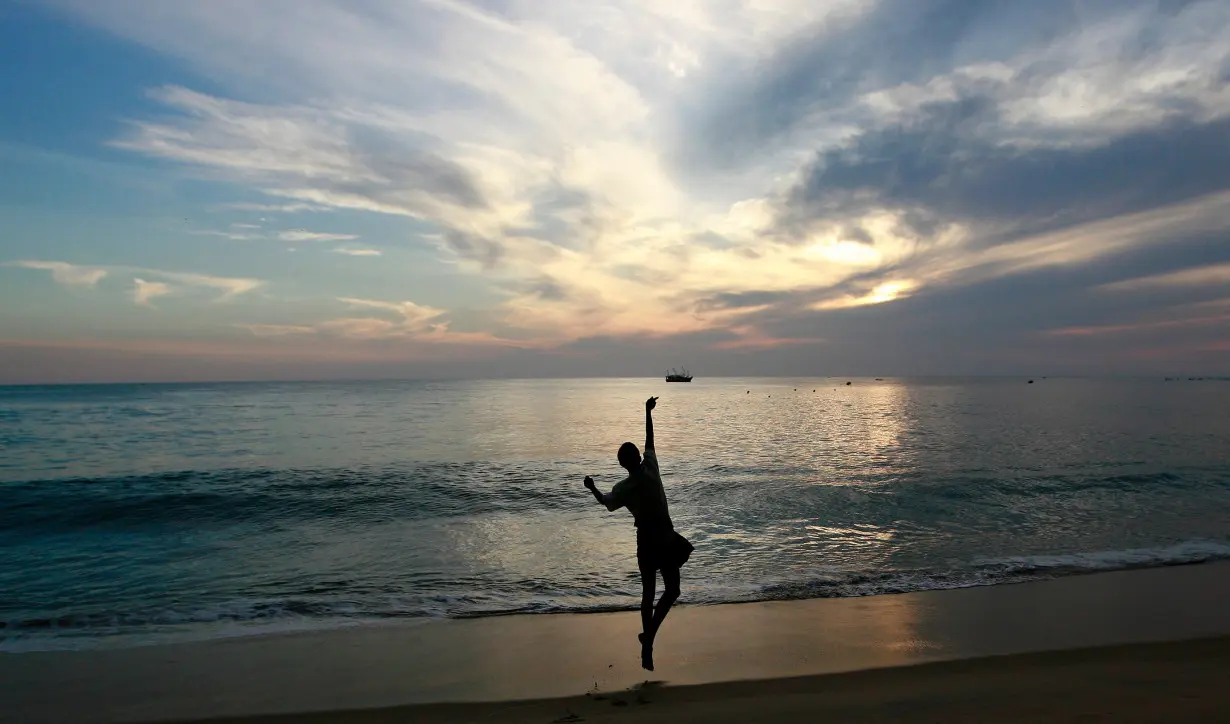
(643, 495)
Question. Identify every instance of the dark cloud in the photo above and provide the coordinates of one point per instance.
(740, 300)
(957, 160)
(1003, 325)
(548, 289)
(568, 217)
(942, 166)
(824, 67)
(968, 160)
(397, 168)
(473, 247)
(854, 232)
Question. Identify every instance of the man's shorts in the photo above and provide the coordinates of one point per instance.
(658, 550)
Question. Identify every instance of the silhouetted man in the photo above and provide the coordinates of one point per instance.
(658, 546)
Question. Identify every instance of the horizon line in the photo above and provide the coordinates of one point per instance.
(880, 378)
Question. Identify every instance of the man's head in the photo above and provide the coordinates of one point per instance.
(629, 457)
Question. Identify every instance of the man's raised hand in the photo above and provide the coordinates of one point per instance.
(589, 482)
(651, 403)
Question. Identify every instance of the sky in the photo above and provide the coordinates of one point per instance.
(305, 189)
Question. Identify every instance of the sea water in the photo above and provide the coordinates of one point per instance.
(135, 514)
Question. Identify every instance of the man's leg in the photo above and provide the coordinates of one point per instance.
(649, 581)
(670, 577)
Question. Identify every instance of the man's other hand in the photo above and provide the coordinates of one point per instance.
(651, 403)
(589, 482)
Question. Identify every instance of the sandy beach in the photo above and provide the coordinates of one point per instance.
(1179, 681)
(1145, 645)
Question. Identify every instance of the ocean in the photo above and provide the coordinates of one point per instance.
(138, 514)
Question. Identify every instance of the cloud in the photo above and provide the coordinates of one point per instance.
(879, 294)
(311, 155)
(230, 287)
(939, 168)
(414, 317)
(748, 337)
(277, 330)
(752, 171)
(305, 235)
(234, 234)
(1062, 72)
(251, 232)
(145, 291)
(357, 252)
(273, 208)
(65, 273)
(404, 322)
(1219, 320)
(1215, 275)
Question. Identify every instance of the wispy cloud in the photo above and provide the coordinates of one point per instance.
(357, 252)
(230, 287)
(65, 273)
(1214, 320)
(145, 291)
(414, 317)
(749, 337)
(277, 330)
(252, 232)
(394, 321)
(234, 234)
(305, 235)
(1217, 275)
(293, 208)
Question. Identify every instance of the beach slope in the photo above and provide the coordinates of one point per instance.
(1161, 682)
(1141, 645)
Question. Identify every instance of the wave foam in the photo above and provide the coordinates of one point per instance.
(93, 630)
(989, 572)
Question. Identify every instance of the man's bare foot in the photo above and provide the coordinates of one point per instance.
(646, 652)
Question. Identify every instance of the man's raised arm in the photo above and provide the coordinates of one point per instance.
(651, 403)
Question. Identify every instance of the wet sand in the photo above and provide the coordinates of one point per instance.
(1167, 682)
(745, 662)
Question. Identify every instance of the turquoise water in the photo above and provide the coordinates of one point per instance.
(132, 514)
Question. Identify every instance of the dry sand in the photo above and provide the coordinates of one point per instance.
(778, 653)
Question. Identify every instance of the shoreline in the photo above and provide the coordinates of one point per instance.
(550, 657)
(204, 633)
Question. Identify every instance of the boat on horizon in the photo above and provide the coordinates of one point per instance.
(678, 376)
